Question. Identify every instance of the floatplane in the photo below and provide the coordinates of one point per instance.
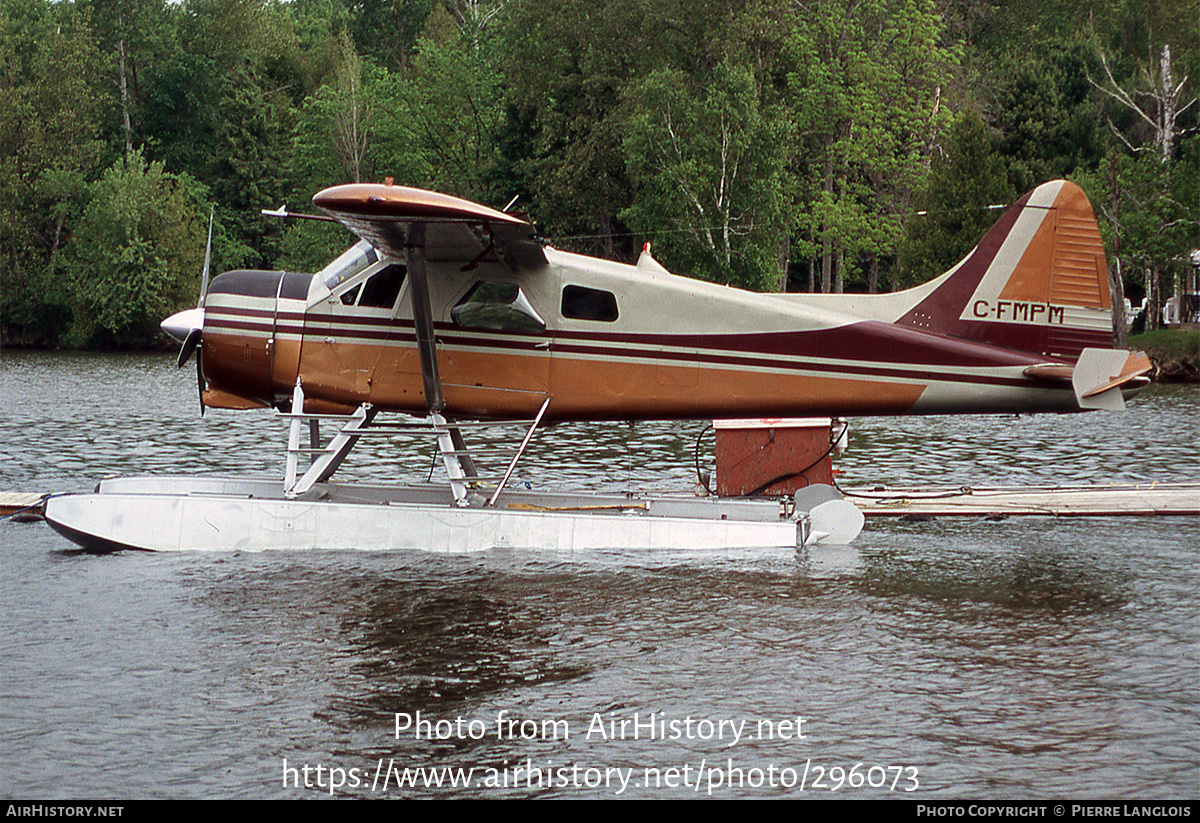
(448, 312)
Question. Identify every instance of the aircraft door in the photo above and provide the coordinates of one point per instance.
(346, 331)
(495, 348)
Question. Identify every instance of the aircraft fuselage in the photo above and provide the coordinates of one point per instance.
(505, 323)
(604, 340)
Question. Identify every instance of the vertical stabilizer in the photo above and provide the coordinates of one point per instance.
(1037, 282)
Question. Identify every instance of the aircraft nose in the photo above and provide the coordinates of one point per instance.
(181, 324)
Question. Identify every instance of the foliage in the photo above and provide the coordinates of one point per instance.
(1168, 344)
(135, 256)
(1045, 114)
(442, 117)
(867, 81)
(708, 166)
(49, 146)
(748, 139)
(966, 179)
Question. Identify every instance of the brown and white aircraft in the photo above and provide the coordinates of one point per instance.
(448, 306)
(455, 311)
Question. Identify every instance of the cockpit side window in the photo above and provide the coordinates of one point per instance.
(582, 303)
(380, 290)
(383, 287)
(497, 306)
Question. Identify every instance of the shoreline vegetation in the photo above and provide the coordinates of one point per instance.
(1175, 354)
(766, 144)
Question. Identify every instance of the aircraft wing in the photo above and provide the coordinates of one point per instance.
(456, 230)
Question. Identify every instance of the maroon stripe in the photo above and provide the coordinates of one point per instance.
(842, 369)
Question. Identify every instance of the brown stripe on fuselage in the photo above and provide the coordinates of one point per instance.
(630, 391)
(494, 384)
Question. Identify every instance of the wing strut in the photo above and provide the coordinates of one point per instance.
(459, 466)
(409, 237)
(414, 250)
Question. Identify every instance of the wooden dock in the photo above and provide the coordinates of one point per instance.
(22, 504)
(1118, 500)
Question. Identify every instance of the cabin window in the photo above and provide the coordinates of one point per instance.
(582, 303)
(497, 306)
(383, 287)
(380, 290)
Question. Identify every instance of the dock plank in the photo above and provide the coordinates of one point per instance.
(1134, 499)
(28, 502)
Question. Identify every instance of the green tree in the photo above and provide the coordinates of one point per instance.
(386, 31)
(134, 257)
(439, 119)
(50, 143)
(335, 140)
(1146, 186)
(1149, 215)
(248, 172)
(134, 37)
(708, 165)
(865, 80)
(966, 178)
(1045, 114)
(181, 112)
(566, 67)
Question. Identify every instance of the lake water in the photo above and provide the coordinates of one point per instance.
(1022, 658)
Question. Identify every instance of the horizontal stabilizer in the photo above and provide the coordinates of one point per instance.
(1100, 375)
(1051, 371)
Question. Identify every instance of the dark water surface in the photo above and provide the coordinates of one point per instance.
(1023, 658)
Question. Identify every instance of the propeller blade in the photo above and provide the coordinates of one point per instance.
(189, 346)
(200, 382)
(207, 260)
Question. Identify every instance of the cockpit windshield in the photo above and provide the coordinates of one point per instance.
(348, 263)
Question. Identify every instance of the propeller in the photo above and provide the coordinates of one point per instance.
(187, 326)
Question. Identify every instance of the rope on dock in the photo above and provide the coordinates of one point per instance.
(20, 507)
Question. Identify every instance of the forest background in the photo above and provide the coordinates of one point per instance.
(806, 145)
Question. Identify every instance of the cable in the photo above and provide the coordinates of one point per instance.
(788, 476)
(700, 478)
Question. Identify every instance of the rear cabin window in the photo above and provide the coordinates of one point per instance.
(497, 306)
(582, 303)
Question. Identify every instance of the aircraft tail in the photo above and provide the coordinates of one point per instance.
(1037, 282)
